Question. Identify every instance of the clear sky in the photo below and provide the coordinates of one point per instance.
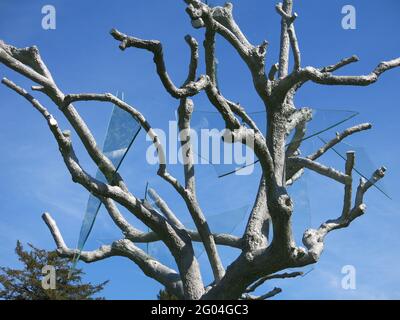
(84, 58)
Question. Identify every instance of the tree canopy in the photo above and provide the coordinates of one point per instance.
(26, 283)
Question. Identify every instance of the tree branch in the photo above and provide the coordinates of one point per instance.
(313, 239)
(288, 27)
(349, 185)
(178, 243)
(220, 20)
(194, 59)
(189, 89)
(327, 78)
(127, 229)
(29, 64)
(123, 248)
(268, 295)
(163, 206)
(262, 280)
(257, 229)
(299, 116)
(340, 64)
(138, 236)
(108, 97)
(185, 112)
(293, 170)
(339, 137)
(260, 259)
(285, 10)
(294, 145)
(241, 112)
(319, 168)
(25, 61)
(192, 204)
(295, 47)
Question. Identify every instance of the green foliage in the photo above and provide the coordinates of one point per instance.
(165, 295)
(26, 284)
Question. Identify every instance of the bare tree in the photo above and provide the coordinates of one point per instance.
(261, 258)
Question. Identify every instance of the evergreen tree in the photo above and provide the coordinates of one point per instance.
(26, 283)
(163, 294)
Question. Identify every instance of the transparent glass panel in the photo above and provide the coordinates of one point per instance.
(208, 128)
(226, 221)
(233, 159)
(121, 133)
(302, 218)
(364, 166)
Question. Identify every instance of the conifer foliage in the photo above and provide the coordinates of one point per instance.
(26, 283)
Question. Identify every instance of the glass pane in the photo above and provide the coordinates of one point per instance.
(224, 222)
(212, 150)
(230, 159)
(364, 166)
(302, 217)
(121, 133)
(325, 120)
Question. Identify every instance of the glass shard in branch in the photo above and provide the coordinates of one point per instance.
(324, 120)
(302, 217)
(225, 221)
(364, 166)
(230, 159)
(208, 126)
(121, 133)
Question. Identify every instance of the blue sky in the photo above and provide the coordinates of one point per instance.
(84, 58)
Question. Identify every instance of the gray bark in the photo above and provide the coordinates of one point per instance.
(262, 258)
